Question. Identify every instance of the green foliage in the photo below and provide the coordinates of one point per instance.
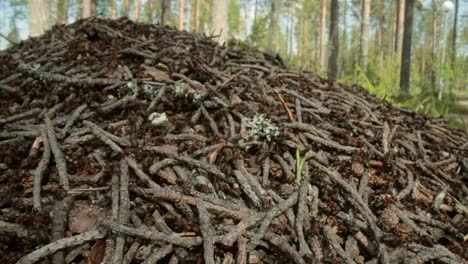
(258, 37)
(234, 14)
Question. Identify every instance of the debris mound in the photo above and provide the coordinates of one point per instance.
(131, 142)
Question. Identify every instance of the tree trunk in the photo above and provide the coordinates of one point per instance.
(406, 51)
(38, 17)
(113, 11)
(150, 10)
(219, 21)
(86, 8)
(394, 31)
(125, 7)
(322, 50)
(197, 15)
(364, 45)
(434, 46)
(255, 12)
(272, 31)
(136, 15)
(181, 14)
(333, 60)
(166, 12)
(454, 44)
(61, 11)
(400, 25)
(344, 43)
(381, 26)
(291, 31)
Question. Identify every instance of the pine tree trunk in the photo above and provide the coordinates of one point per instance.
(150, 10)
(364, 45)
(113, 11)
(333, 60)
(291, 26)
(181, 14)
(406, 51)
(434, 46)
(61, 11)
(271, 34)
(394, 31)
(136, 15)
(125, 7)
(166, 12)
(380, 36)
(38, 17)
(219, 20)
(454, 44)
(344, 40)
(400, 25)
(323, 47)
(197, 16)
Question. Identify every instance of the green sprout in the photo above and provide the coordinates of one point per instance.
(299, 165)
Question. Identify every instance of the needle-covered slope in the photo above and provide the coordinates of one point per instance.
(129, 142)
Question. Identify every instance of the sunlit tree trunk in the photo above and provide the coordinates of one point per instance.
(87, 6)
(400, 25)
(38, 17)
(406, 51)
(136, 15)
(333, 60)
(364, 45)
(166, 12)
(181, 14)
(197, 15)
(434, 46)
(323, 47)
(219, 19)
(113, 11)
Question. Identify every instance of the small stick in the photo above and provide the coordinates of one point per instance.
(75, 115)
(245, 186)
(17, 229)
(241, 257)
(159, 254)
(174, 196)
(302, 211)
(39, 172)
(333, 242)
(100, 135)
(147, 233)
(60, 244)
(266, 172)
(58, 155)
(385, 136)
(213, 125)
(207, 232)
(136, 243)
(59, 220)
(298, 110)
(160, 224)
(124, 210)
(19, 116)
(75, 252)
(285, 106)
(284, 246)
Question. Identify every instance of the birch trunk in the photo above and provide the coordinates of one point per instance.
(38, 17)
(219, 20)
(323, 47)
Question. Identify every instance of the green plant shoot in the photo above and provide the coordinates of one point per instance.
(299, 165)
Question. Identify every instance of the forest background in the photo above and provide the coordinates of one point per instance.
(412, 53)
